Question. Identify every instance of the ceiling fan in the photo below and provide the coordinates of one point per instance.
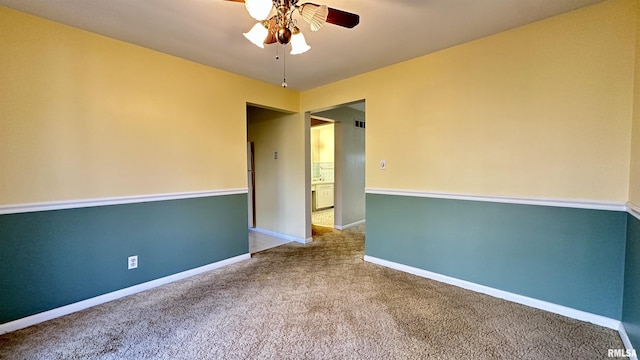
(282, 27)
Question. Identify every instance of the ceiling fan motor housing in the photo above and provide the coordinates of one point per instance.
(284, 35)
(284, 22)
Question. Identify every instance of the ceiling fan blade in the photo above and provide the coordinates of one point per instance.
(334, 16)
(343, 18)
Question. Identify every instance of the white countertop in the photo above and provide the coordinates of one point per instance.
(321, 182)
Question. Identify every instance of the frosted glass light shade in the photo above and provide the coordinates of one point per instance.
(257, 34)
(315, 15)
(299, 44)
(258, 9)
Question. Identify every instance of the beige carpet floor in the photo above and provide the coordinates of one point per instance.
(315, 301)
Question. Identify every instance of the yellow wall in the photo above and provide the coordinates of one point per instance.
(85, 116)
(543, 110)
(322, 143)
(634, 180)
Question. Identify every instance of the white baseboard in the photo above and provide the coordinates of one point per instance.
(344, 227)
(282, 236)
(84, 304)
(520, 299)
(627, 343)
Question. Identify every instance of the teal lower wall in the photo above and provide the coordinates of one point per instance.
(566, 256)
(631, 307)
(54, 258)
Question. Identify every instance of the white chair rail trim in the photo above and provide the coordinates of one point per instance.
(568, 203)
(73, 204)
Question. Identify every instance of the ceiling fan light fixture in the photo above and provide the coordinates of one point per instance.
(259, 9)
(257, 34)
(315, 15)
(282, 27)
(298, 43)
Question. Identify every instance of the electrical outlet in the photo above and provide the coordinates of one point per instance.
(383, 164)
(132, 262)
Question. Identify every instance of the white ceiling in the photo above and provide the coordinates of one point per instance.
(210, 31)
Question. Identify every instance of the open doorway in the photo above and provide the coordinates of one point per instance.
(345, 177)
(322, 172)
(272, 195)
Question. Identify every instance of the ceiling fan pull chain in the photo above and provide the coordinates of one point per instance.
(284, 69)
